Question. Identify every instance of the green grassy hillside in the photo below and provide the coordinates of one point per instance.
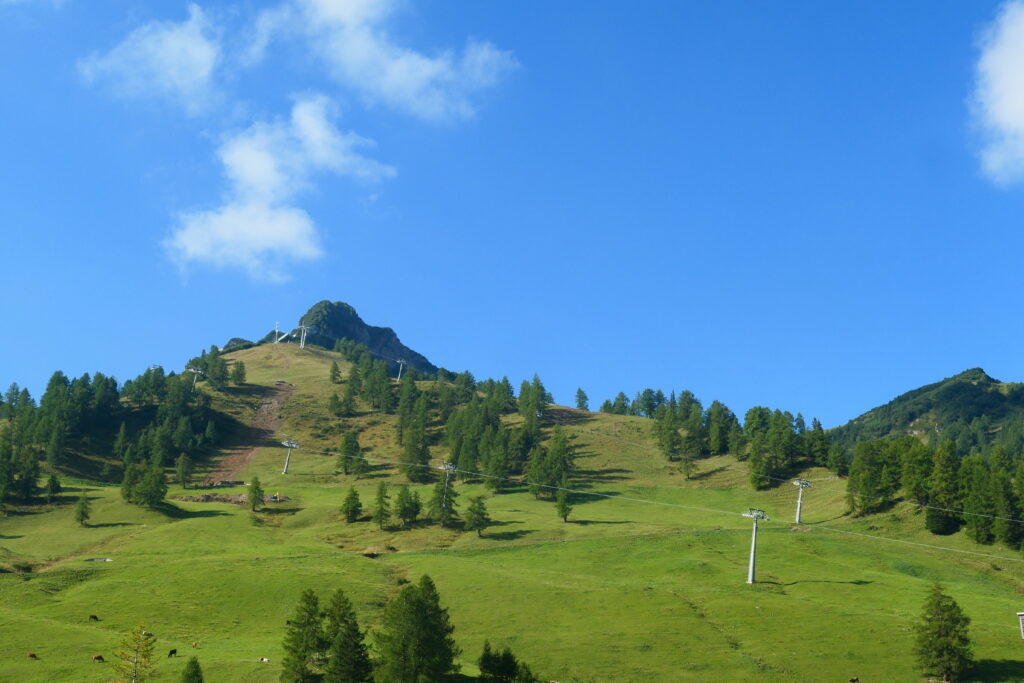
(645, 583)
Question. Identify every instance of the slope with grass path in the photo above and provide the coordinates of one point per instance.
(645, 582)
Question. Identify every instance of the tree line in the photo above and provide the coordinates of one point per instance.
(414, 643)
(981, 494)
(154, 421)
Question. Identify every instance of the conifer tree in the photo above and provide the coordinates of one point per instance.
(134, 659)
(582, 402)
(120, 442)
(943, 645)
(152, 489)
(183, 467)
(441, 507)
(407, 505)
(415, 641)
(350, 452)
(978, 503)
(944, 495)
(83, 510)
(335, 373)
(1007, 508)
(381, 508)
(352, 507)
(348, 398)
(255, 494)
(303, 641)
(562, 505)
(917, 465)
(53, 488)
(476, 518)
(193, 672)
(347, 658)
(238, 373)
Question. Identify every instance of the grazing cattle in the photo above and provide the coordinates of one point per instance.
(32, 655)
(855, 679)
(147, 634)
(264, 659)
(93, 617)
(172, 653)
(194, 644)
(97, 658)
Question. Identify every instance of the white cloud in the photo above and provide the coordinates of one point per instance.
(162, 59)
(350, 36)
(998, 101)
(268, 164)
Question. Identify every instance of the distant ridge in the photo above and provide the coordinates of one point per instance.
(330, 321)
(970, 408)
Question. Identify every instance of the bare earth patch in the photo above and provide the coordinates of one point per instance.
(264, 424)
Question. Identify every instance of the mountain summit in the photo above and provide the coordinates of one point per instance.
(330, 321)
(970, 408)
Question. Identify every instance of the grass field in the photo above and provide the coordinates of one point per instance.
(645, 583)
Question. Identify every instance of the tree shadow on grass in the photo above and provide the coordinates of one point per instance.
(851, 583)
(581, 496)
(608, 474)
(175, 512)
(997, 670)
(508, 535)
(109, 524)
(708, 473)
(585, 522)
(9, 537)
(279, 510)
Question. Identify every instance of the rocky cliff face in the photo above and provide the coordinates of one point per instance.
(330, 321)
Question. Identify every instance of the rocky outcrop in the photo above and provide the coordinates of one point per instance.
(330, 321)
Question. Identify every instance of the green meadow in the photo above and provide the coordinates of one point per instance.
(646, 582)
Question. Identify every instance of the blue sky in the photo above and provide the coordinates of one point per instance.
(811, 206)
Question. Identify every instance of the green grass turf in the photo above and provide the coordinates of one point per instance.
(626, 591)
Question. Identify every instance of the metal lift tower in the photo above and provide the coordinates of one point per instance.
(289, 445)
(756, 515)
(802, 483)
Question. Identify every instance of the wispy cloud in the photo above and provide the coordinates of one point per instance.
(351, 37)
(257, 229)
(162, 59)
(998, 100)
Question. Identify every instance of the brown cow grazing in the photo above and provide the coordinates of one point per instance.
(172, 653)
(194, 644)
(93, 617)
(97, 658)
(32, 655)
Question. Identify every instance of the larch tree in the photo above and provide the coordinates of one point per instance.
(347, 658)
(582, 402)
(238, 373)
(53, 488)
(381, 506)
(255, 494)
(352, 507)
(415, 640)
(441, 506)
(83, 510)
(476, 518)
(303, 641)
(942, 644)
(942, 517)
(562, 506)
(193, 673)
(133, 661)
(183, 467)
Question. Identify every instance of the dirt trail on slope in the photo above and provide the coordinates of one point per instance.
(258, 434)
